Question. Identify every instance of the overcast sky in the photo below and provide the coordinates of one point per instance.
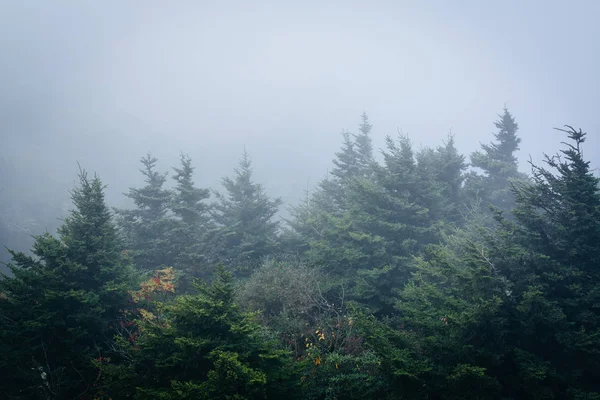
(103, 82)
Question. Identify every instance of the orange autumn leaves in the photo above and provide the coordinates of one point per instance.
(161, 282)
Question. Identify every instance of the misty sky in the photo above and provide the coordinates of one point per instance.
(103, 82)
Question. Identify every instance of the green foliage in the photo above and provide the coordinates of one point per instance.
(188, 236)
(203, 347)
(555, 253)
(58, 305)
(454, 307)
(367, 220)
(246, 230)
(396, 283)
(285, 292)
(442, 170)
(146, 227)
(343, 376)
(499, 165)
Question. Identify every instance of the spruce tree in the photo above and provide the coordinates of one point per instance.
(453, 307)
(147, 227)
(331, 222)
(551, 253)
(192, 221)
(354, 160)
(364, 147)
(449, 166)
(330, 200)
(499, 165)
(393, 213)
(246, 230)
(202, 347)
(58, 307)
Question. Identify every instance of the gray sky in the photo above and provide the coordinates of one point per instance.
(103, 82)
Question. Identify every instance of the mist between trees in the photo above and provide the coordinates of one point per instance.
(404, 274)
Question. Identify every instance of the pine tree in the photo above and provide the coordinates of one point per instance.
(354, 160)
(499, 164)
(551, 253)
(203, 347)
(330, 200)
(188, 237)
(453, 305)
(393, 215)
(246, 230)
(364, 147)
(147, 227)
(58, 306)
(448, 168)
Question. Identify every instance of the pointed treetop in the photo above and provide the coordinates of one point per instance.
(364, 145)
(153, 178)
(186, 170)
(365, 126)
(507, 139)
(245, 161)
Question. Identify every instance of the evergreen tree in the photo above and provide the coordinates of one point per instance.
(364, 147)
(193, 222)
(394, 215)
(449, 166)
(246, 230)
(499, 165)
(453, 306)
(147, 227)
(57, 308)
(551, 254)
(333, 189)
(203, 347)
(354, 160)
(368, 244)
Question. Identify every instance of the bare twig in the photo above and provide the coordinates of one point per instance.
(87, 387)
(48, 366)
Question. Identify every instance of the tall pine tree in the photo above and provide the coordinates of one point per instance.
(192, 221)
(354, 160)
(147, 227)
(498, 164)
(247, 230)
(202, 346)
(57, 309)
(551, 254)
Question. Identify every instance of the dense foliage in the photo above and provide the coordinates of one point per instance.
(403, 275)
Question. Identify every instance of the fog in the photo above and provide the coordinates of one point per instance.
(103, 83)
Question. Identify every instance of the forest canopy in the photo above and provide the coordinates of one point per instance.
(405, 274)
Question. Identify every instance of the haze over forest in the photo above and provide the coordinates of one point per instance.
(340, 100)
(103, 83)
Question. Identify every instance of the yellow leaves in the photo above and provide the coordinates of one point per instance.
(163, 281)
(336, 366)
(320, 334)
(147, 315)
(318, 361)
